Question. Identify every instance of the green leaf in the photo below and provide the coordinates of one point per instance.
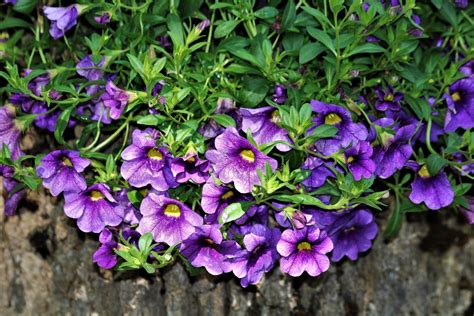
(253, 91)
(266, 13)
(324, 131)
(435, 163)
(233, 212)
(367, 48)
(145, 241)
(62, 123)
(394, 223)
(11, 22)
(323, 38)
(310, 51)
(151, 120)
(225, 28)
(176, 31)
(136, 64)
(224, 120)
(289, 16)
(25, 6)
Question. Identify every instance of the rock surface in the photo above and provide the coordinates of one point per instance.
(46, 269)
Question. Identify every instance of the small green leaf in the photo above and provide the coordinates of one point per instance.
(266, 13)
(11, 22)
(224, 120)
(367, 48)
(323, 37)
(435, 163)
(324, 131)
(310, 51)
(233, 212)
(289, 16)
(25, 6)
(225, 28)
(62, 123)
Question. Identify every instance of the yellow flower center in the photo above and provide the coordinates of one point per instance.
(67, 162)
(172, 210)
(248, 155)
(350, 159)
(275, 117)
(332, 119)
(456, 96)
(96, 195)
(155, 154)
(388, 97)
(227, 195)
(143, 191)
(304, 246)
(424, 172)
(191, 159)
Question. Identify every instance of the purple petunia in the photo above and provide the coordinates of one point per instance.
(259, 256)
(169, 220)
(320, 171)
(280, 96)
(263, 124)
(388, 100)
(348, 131)
(12, 197)
(351, 231)
(94, 208)
(434, 190)
(304, 250)
(468, 68)
(131, 215)
(236, 160)
(190, 167)
(9, 131)
(460, 100)
(461, 3)
(60, 171)
(206, 248)
(90, 69)
(105, 256)
(359, 162)
(146, 163)
(62, 18)
(104, 18)
(115, 100)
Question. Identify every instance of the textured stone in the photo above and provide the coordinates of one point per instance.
(46, 269)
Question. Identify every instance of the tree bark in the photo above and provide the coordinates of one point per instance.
(46, 269)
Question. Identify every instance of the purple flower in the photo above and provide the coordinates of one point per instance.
(11, 197)
(394, 153)
(131, 215)
(259, 256)
(94, 208)
(9, 131)
(206, 248)
(115, 100)
(62, 19)
(359, 162)
(304, 250)
(351, 231)
(89, 69)
(211, 129)
(388, 100)
(236, 160)
(145, 163)
(468, 68)
(104, 18)
(95, 112)
(169, 221)
(190, 167)
(105, 256)
(290, 217)
(434, 190)
(461, 3)
(320, 171)
(263, 123)
(460, 100)
(348, 131)
(46, 120)
(204, 24)
(60, 171)
(469, 213)
(256, 214)
(280, 96)
(215, 198)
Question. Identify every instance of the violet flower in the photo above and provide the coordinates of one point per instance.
(304, 250)
(348, 131)
(255, 214)
(394, 153)
(104, 18)
(60, 171)
(469, 213)
(94, 208)
(236, 160)
(105, 256)
(468, 69)
(215, 198)
(206, 248)
(460, 100)
(190, 167)
(169, 220)
(263, 124)
(145, 163)
(358, 160)
(11, 198)
(433, 190)
(461, 3)
(388, 100)
(89, 69)
(10, 131)
(280, 96)
(131, 215)
(259, 256)
(62, 18)
(115, 100)
(320, 171)
(351, 231)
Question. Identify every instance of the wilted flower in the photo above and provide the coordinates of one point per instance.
(263, 123)
(94, 208)
(60, 171)
(304, 250)
(168, 220)
(236, 160)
